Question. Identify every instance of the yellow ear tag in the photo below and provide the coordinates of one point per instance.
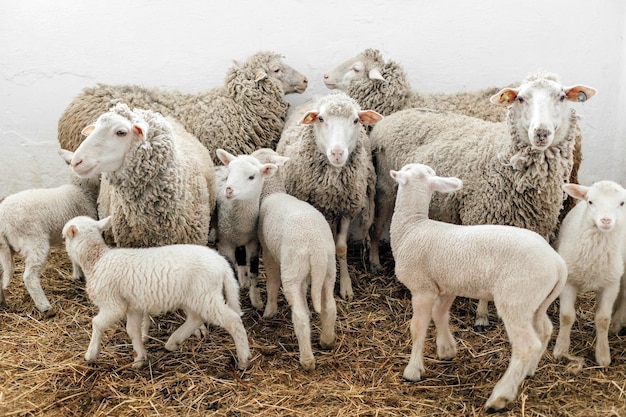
(505, 97)
(308, 119)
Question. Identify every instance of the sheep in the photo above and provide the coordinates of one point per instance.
(31, 221)
(246, 113)
(158, 181)
(298, 251)
(513, 171)
(139, 281)
(331, 167)
(590, 240)
(239, 186)
(384, 87)
(437, 261)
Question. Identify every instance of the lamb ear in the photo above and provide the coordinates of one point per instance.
(370, 117)
(280, 160)
(576, 190)
(309, 118)
(260, 75)
(141, 129)
(398, 176)
(445, 184)
(71, 232)
(504, 97)
(268, 170)
(579, 93)
(104, 224)
(87, 130)
(66, 155)
(224, 156)
(375, 74)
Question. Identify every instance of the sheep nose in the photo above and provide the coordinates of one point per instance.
(229, 192)
(541, 135)
(337, 154)
(605, 221)
(305, 81)
(325, 76)
(74, 164)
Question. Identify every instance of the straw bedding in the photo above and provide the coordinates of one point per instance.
(43, 372)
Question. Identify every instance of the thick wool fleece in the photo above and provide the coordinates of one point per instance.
(239, 117)
(505, 180)
(160, 195)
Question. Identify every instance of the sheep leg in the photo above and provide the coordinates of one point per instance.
(328, 315)
(567, 315)
(220, 314)
(145, 327)
(482, 316)
(605, 300)
(446, 345)
(134, 319)
(34, 260)
(341, 248)
(103, 321)
(301, 323)
(543, 327)
(252, 260)
(384, 210)
(77, 272)
(525, 346)
(6, 262)
(272, 276)
(192, 322)
(619, 316)
(241, 262)
(422, 310)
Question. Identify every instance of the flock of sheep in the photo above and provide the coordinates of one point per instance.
(472, 187)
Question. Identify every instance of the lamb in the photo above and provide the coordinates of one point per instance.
(31, 221)
(513, 171)
(331, 167)
(239, 186)
(437, 261)
(384, 87)
(246, 113)
(155, 280)
(591, 242)
(158, 181)
(298, 250)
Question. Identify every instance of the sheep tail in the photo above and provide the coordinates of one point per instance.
(231, 291)
(318, 277)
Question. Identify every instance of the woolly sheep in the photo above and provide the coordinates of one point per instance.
(331, 167)
(513, 171)
(239, 186)
(134, 282)
(246, 113)
(384, 87)
(590, 241)
(158, 181)
(298, 251)
(31, 221)
(438, 261)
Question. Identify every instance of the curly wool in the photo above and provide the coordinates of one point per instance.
(160, 196)
(239, 117)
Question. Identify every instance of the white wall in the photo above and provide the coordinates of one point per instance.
(51, 49)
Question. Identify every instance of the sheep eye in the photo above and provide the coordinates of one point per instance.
(562, 98)
(320, 118)
(520, 99)
(121, 133)
(251, 177)
(355, 69)
(621, 204)
(590, 202)
(356, 121)
(277, 70)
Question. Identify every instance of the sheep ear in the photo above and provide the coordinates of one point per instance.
(370, 117)
(445, 184)
(279, 160)
(375, 74)
(71, 232)
(504, 97)
(268, 170)
(224, 156)
(576, 190)
(66, 155)
(87, 130)
(579, 93)
(309, 118)
(141, 129)
(260, 75)
(104, 224)
(398, 176)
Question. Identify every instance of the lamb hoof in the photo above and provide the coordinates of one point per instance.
(138, 364)
(171, 346)
(4, 305)
(377, 269)
(308, 364)
(412, 374)
(496, 405)
(481, 328)
(327, 344)
(51, 312)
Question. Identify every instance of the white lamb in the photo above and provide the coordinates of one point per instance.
(590, 241)
(331, 167)
(239, 186)
(437, 261)
(298, 251)
(31, 221)
(138, 281)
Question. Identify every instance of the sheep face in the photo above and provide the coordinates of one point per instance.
(421, 176)
(246, 175)
(337, 127)
(356, 68)
(292, 80)
(107, 143)
(541, 107)
(604, 203)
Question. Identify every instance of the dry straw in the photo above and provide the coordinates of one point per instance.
(43, 373)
